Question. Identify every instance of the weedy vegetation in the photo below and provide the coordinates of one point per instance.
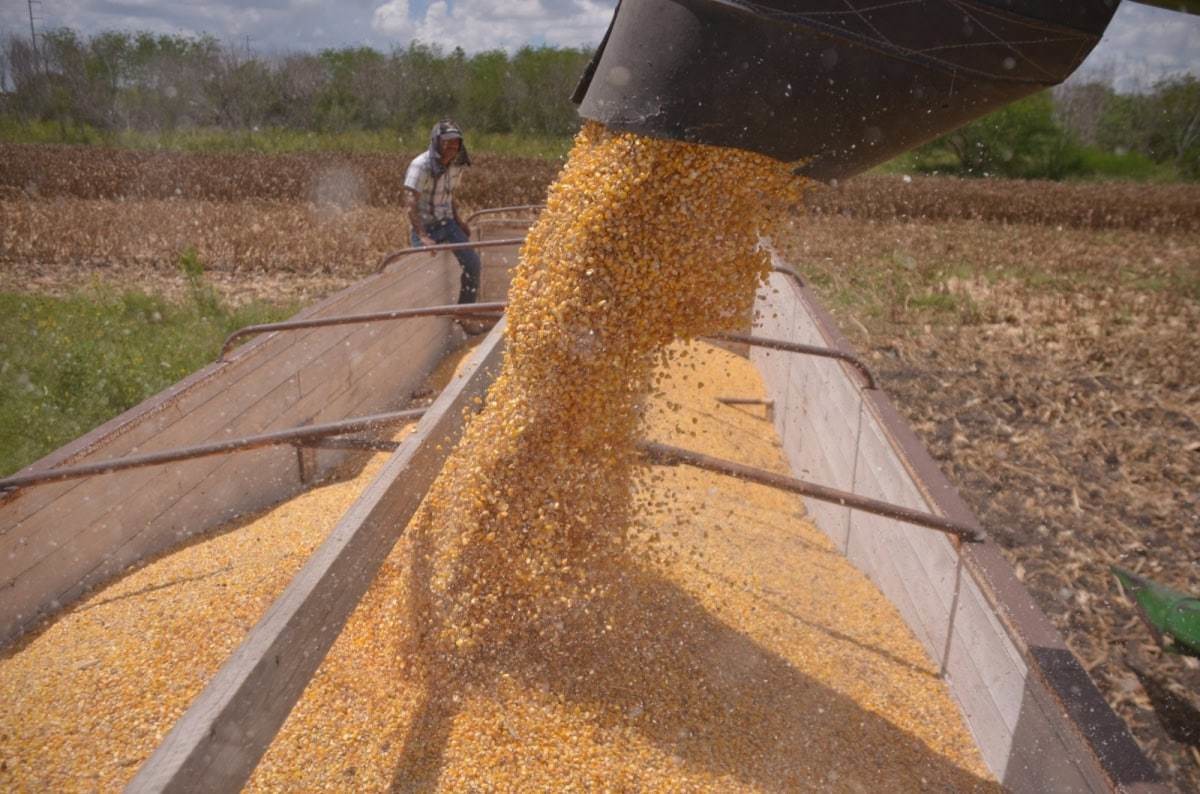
(70, 363)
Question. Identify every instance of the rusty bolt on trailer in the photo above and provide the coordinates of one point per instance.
(768, 405)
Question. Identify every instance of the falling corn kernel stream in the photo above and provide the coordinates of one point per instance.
(642, 242)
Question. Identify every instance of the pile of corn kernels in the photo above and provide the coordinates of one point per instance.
(84, 702)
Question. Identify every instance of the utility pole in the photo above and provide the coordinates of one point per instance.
(33, 33)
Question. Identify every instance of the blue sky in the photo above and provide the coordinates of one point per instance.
(1142, 45)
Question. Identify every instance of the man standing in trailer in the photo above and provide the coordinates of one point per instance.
(429, 196)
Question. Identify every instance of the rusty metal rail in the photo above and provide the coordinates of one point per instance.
(489, 310)
(472, 310)
(796, 347)
(787, 271)
(670, 456)
(433, 249)
(296, 436)
(350, 442)
(498, 210)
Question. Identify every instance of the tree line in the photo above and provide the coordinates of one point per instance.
(115, 81)
(1079, 129)
(160, 83)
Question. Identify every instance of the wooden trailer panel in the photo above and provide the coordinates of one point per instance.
(811, 422)
(55, 544)
(1038, 719)
(774, 322)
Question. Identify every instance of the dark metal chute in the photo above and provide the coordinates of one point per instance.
(835, 86)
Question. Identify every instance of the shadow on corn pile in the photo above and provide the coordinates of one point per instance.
(648, 655)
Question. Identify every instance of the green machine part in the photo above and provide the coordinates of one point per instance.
(1173, 616)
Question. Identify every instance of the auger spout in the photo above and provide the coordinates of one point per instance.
(836, 86)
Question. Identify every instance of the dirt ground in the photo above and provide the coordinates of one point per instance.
(1044, 350)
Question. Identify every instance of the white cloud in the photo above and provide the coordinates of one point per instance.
(477, 25)
(1143, 45)
(392, 19)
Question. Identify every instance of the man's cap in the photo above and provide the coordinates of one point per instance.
(446, 130)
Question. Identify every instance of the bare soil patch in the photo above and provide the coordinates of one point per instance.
(376, 180)
(1080, 205)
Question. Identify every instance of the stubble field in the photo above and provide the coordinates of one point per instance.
(1040, 338)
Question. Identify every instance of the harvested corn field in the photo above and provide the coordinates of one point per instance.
(293, 227)
(1076, 205)
(377, 180)
(126, 217)
(41, 173)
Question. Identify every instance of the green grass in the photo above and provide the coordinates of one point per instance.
(70, 364)
(1180, 283)
(1130, 166)
(275, 140)
(1093, 165)
(936, 301)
